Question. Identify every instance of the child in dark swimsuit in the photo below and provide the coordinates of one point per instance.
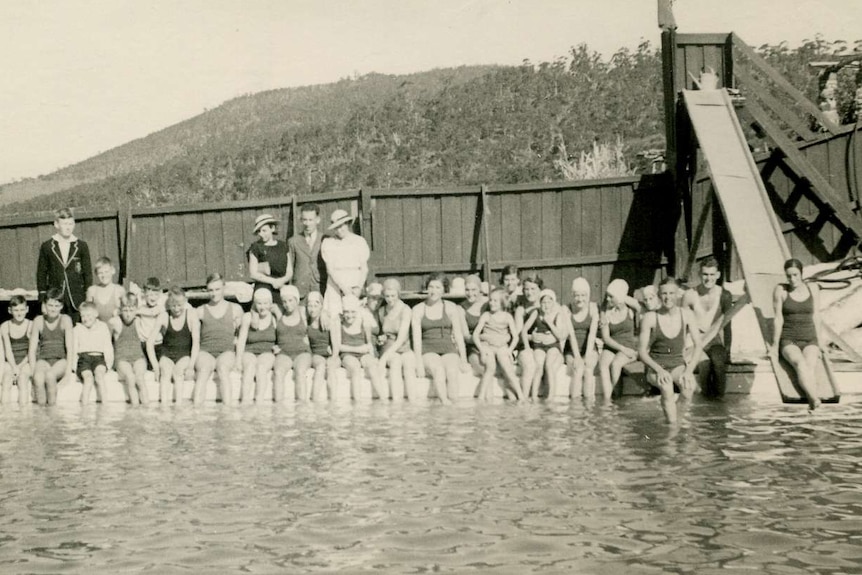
(292, 349)
(581, 354)
(254, 346)
(179, 331)
(52, 348)
(16, 342)
(353, 343)
(618, 334)
(129, 360)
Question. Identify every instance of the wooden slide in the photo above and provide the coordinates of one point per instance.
(751, 221)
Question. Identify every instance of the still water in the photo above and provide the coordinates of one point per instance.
(738, 486)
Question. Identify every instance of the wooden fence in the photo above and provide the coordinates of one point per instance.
(599, 229)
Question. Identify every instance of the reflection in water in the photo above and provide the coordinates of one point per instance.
(414, 488)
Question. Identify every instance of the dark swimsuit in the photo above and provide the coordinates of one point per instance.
(798, 326)
(624, 332)
(176, 343)
(437, 335)
(667, 351)
(582, 332)
(293, 340)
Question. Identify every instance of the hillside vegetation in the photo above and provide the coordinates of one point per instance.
(456, 126)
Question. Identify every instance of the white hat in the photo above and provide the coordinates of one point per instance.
(339, 218)
(547, 293)
(289, 291)
(263, 220)
(458, 286)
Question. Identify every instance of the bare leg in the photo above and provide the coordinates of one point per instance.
(353, 368)
(553, 362)
(538, 372)
(99, 380)
(281, 367)
(180, 369)
(373, 372)
(528, 367)
(205, 365)
(140, 373)
(668, 399)
(590, 360)
(408, 360)
(52, 378)
(86, 387)
(620, 361)
(223, 368)
(504, 360)
(434, 367)
(24, 384)
(166, 371)
(249, 370)
(490, 363)
(126, 376)
(605, 361)
(396, 376)
(263, 368)
(301, 365)
(318, 386)
(6, 393)
(40, 374)
(803, 362)
(452, 366)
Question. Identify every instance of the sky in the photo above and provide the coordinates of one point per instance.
(83, 76)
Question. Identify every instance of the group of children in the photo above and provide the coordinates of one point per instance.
(113, 333)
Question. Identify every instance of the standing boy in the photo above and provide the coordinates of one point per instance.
(64, 263)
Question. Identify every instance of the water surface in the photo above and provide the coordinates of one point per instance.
(738, 486)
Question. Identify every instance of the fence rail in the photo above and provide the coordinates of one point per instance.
(598, 229)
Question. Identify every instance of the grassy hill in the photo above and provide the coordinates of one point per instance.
(444, 127)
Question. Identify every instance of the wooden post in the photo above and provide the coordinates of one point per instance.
(294, 214)
(486, 273)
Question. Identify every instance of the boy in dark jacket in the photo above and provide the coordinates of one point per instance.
(64, 263)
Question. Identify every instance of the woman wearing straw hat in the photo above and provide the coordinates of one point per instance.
(268, 262)
(346, 257)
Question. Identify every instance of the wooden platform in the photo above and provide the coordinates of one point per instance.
(744, 377)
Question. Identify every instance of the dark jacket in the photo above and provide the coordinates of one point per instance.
(309, 271)
(73, 278)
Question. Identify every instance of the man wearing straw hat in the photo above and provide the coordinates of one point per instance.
(346, 257)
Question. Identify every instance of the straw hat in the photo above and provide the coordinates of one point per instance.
(339, 218)
(263, 220)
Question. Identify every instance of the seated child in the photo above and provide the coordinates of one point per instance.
(254, 345)
(94, 350)
(179, 329)
(105, 293)
(353, 342)
(496, 337)
(292, 348)
(131, 365)
(52, 348)
(16, 341)
(150, 309)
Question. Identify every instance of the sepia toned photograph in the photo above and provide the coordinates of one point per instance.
(402, 286)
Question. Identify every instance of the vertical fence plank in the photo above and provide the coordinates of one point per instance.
(453, 250)
(531, 226)
(431, 230)
(510, 244)
(175, 241)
